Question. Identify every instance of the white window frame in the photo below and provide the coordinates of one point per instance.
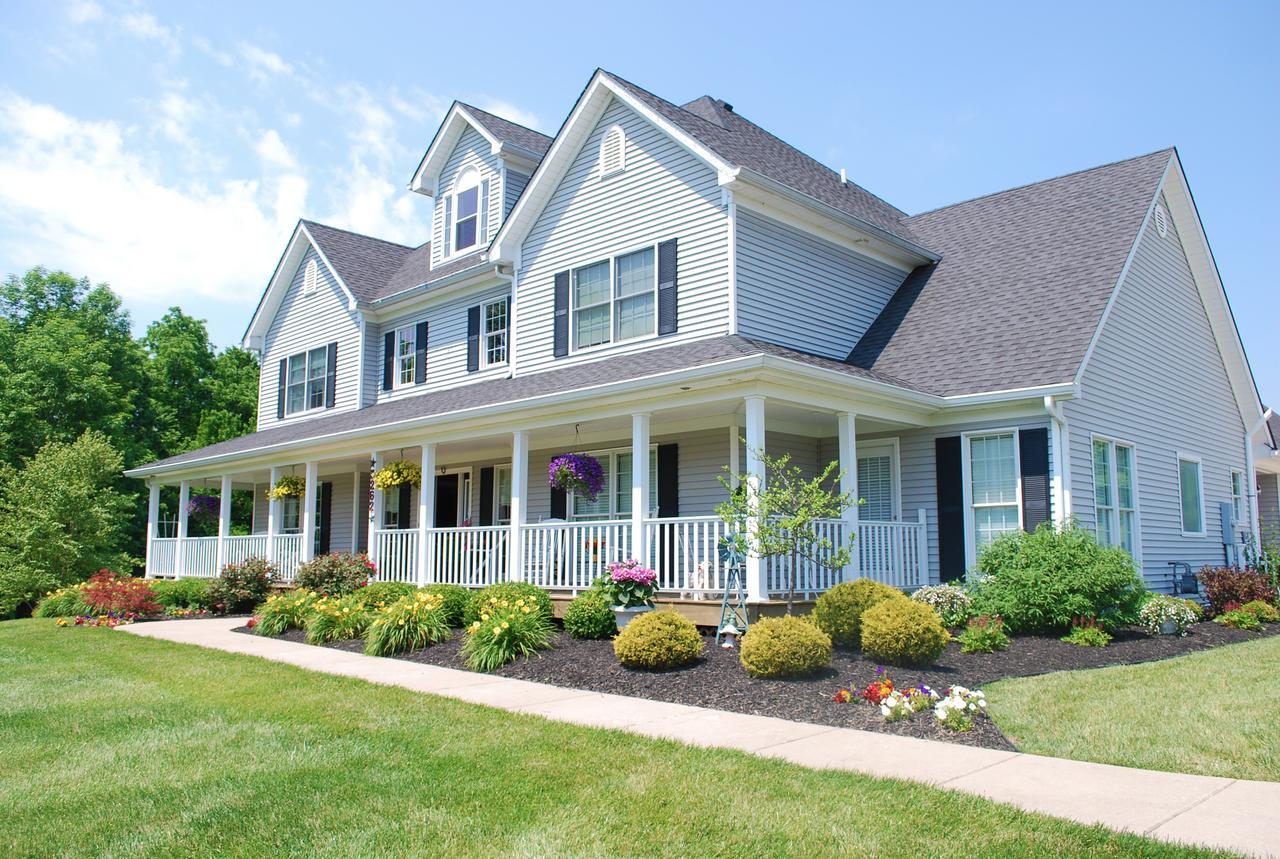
(405, 334)
(1114, 476)
(1199, 463)
(306, 356)
(1239, 499)
(966, 469)
(291, 508)
(505, 332)
(498, 471)
(459, 189)
(621, 166)
(310, 278)
(892, 448)
(611, 488)
(613, 300)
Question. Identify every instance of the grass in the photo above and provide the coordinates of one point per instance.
(1211, 713)
(123, 746)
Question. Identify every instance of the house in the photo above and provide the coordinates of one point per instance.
(673, 289)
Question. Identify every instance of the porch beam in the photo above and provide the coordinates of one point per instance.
(273, 515)
(153, 522)
(179, 557)
(755, 485)
(519, 503)
(426, 513)
(309, 510)
(847, 423)
(375, 509)
(639, 484)
(224, 521)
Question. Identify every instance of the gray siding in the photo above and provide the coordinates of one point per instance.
(831, 294)
(511, 191)
(1156, 380)
(471, 150)
(305, 322)
(260, 512)
(1269, 506)
(665, 192)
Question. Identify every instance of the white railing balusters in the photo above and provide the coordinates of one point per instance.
(571, 555)
(472, 557)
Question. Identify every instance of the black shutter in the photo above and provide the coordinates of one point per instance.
(473, 339)
(389, 361)
(668, 480)
(420, 354)
(331, 377)
(486, 496)
(326, 513)
(561, 321)
(667, 315)
(950, 477)
(280, 388)
(559, 504)
(1033, 456)
(406, 502)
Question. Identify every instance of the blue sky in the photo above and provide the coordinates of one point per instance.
(169, 149)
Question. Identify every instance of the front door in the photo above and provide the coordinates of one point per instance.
(447, 501)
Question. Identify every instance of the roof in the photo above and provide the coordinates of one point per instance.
(1273, 426)
(506, 131)
(621, 368)
(1042, 260)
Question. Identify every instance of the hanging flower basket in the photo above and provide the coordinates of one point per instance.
(397, 473)
(289, 486)
(577, 473)
(204, 508)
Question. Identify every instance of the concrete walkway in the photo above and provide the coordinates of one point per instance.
(1232, 814)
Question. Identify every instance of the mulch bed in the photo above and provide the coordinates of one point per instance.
(718, 681)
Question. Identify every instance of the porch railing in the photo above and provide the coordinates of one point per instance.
(200, 557)
(812, 578)
(287, 555)
(685, 553)
(471, 557)
(895, 553)
(397, 554)
(162, 560)
(571, 555)
(241, 549)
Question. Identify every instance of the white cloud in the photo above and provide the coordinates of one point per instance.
(507, 110)
(83, 11)
(273, 152)
(263, 64)
(144, 25)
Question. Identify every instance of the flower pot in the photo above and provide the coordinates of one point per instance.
(1168, 627)
(624, 616)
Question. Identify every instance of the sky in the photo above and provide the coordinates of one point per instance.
(169, 149)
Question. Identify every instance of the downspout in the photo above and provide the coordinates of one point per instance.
(511, 317)
(1062, 461)
(1254, 526)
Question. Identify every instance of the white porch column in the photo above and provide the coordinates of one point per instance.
(426, 514)
(273, 516)
(153, 521)
(375, 509)
(179, 557)
(519, 504)
(639, 486)
(755, 484)
(848, 433)
(309, 511)
(224, 521)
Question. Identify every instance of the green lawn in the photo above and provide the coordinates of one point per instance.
(117, 745)
(1212, 712)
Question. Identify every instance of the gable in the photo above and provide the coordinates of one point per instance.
(290, 267)
(471, 151)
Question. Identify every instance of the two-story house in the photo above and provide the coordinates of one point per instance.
(674, 290)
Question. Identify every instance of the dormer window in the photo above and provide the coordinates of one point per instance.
(613, 152)
(466, 208)
(310, 277)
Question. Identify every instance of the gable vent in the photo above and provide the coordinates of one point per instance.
(613, 152)
(309, 277)
(1162, 221)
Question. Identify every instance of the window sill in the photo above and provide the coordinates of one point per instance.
(604, 347)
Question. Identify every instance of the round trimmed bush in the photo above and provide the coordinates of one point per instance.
(784, 647)
(838, 612)
(453, 601)
(510, 591)
(903, 632)
(658, 640)
(590, 616)
(336, 574)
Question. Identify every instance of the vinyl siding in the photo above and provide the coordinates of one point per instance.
(1156, 380)
(665, 192)
(1269, 506)
(832, 294)
(512, 189)
(474, 151)
(306, 322)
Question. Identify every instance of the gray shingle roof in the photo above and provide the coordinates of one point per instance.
(364, 263)
(621, 368)
(509, 132)
(1024, 278)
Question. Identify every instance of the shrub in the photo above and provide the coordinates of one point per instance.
(506, 629)
(510, 591)
(1239, 619)
(1160, 608)
(337, 619)
(240, 587)
(284, 611)
(382, 594)
(454, 601)
(64, 602)
(784, 647)
(658, 640)
(1226, 585)
(838, 612)
(107, 592)
(1039, 582)
(1086, 632)
(411, 622)
(1263, 611)
(590, 615)
(182, 593)
(951, 603)
(984, 634)
(335, 574)
(903, 632)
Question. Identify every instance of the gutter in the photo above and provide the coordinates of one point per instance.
(436, 286)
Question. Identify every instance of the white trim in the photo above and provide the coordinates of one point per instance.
(310, 278)
(278, 286)
(1114, 442)
(876, 447)
(306, 380)
(621, 166)
(397, 369)
(1241, 522)
(966, 471)
(427, 174)
(485, 363)
(1204, 526)
(731, 253)
(614, 340)
(451, 225)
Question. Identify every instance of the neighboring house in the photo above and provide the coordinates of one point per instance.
(674, 289)
(1266, 477)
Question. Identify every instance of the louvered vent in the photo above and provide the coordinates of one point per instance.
(1162, 222)
(309, 277)
(613, 152)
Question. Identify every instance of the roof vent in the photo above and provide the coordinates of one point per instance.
(1162, 221)
(727, 106)
(844, 177)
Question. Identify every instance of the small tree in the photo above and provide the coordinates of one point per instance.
(788, 509)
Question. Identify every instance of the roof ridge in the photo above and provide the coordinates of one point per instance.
(1060, 176)
(502, 118)
(361, 235)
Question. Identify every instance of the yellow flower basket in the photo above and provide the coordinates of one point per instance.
(397, 473)
(289, 486)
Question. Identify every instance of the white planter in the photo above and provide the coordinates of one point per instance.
(1168, 628)
(624, 616)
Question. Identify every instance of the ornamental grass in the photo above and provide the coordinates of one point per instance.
(414, 621)
(506, 630)
(338, 619)
(282, 612)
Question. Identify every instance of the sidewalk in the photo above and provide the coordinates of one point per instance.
(1230, 814)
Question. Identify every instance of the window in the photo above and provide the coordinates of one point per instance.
(613, 152)
(310, 277)
(876, 478)
(305, 386)
(466, 210)
(1239, 509)
(406, 355)
(615, 299)
(291, 515)
(993, 487)
(494, 321)
(502, 494)
(1114, 494)
(391, 509)
(614, 500)
(1191, 495)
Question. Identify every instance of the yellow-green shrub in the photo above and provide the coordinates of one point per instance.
(411, 622)
(285, 611)
(903, 632)
(64, 602)
(658, 640)
(506, 629)
(338, 619)
(839, 611)
(1263, 611)
(784, 647)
